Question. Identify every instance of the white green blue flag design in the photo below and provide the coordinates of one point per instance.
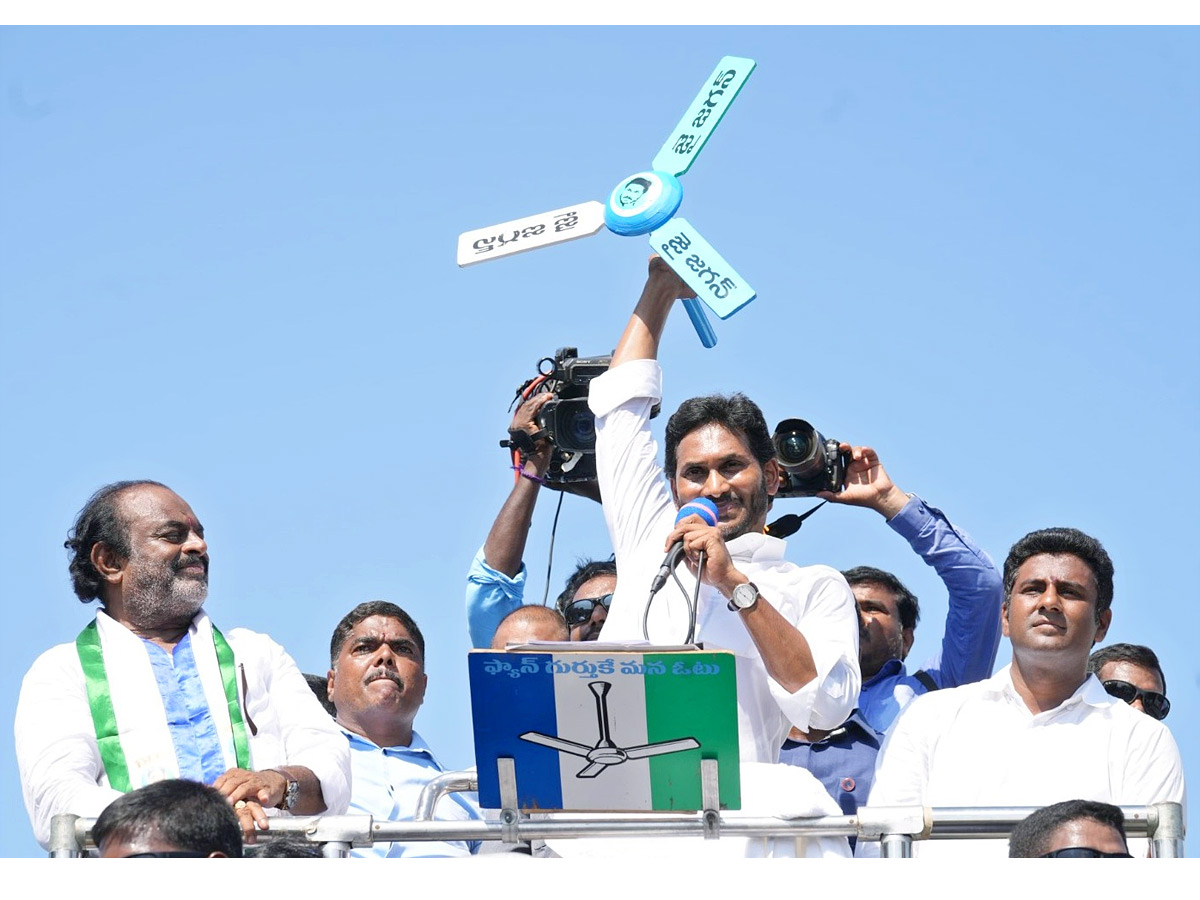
(605, 731)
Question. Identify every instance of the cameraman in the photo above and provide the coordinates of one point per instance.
(496, 579)
(844, 759)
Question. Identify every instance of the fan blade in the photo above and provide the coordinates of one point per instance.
(715, 282)
(698, 123)
(661, 747)
(591, 770)
(554, 743)
(530, 233)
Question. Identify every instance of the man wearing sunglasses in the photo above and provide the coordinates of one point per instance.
(1073, 829)
(1132, 673)
(1041, 730)
(496, 578)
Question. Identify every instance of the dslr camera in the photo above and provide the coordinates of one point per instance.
(809, 462)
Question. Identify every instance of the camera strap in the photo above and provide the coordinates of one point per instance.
(522, 441)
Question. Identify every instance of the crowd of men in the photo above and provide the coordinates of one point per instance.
(152, 701)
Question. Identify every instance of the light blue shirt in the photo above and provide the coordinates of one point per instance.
(972, 633)
(386, 784)
(189, 720)
(491, 595)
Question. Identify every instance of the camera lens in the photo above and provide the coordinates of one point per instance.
(574, 425)
(795, 442)
(794, 447)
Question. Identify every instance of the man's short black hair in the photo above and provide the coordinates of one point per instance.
(100, 521)
(319, 685)
(1130, 653)
(906, 600)
(1031, 836)
(365, 611)
(736, 413)
(1063, 542)
(585, 571)
(189, 816)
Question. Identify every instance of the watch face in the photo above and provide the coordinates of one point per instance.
(744, 595)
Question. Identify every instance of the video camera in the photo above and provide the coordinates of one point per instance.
(810, 463)
(566, 421)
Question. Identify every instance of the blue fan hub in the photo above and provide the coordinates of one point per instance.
(642, 202)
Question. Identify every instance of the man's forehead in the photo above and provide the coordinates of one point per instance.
(596, 586)
(379, 626)
(153, 502)
(712, 437)
(1057, 567)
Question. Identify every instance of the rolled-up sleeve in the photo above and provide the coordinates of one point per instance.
(822, 608)
(491, 595)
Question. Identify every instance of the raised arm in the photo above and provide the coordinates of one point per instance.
(663, 288)
(974, 585)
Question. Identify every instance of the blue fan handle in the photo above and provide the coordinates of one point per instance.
(695, 311)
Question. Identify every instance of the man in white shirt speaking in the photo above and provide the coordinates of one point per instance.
(1042, 730)
(793, 630)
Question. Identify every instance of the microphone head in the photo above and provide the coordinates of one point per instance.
(702, 507)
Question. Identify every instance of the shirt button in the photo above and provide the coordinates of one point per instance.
(848, 785)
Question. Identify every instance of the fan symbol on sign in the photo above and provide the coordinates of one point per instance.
(604, 752)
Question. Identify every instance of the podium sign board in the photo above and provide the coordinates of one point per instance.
(611, 731)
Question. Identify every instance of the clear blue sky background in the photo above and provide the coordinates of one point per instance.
(228, 264)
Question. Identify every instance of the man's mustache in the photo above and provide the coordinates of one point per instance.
(388, 674)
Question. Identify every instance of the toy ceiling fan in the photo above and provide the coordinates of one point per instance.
(645, 203)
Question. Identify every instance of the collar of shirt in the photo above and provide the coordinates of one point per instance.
(758, 548)
(417, 747)
(1091, 691)
(891, 669)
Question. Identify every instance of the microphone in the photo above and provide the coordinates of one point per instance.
(706, 510)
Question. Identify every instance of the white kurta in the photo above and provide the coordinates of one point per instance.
(58, 757)
(640, 514)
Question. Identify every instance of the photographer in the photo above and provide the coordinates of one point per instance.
(844, 759)
(796, 642)
(496, 579)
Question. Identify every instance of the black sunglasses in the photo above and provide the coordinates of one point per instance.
(1083, 853)
(168, 854)
(1155, 704)
(579, 611)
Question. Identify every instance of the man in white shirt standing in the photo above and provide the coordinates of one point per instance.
(377, 683)
(152, 689)
(1041, 730)
(794, 630)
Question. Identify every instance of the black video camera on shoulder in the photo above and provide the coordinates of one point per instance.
(566, 421)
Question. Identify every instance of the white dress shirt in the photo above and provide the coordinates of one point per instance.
(640, 513)
(979, 745)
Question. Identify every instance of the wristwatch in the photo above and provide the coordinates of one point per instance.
(291, 793)
(744, 596)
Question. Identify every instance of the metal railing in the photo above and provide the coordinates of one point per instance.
(894, 827)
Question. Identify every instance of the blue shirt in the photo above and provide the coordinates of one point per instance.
(972, 634)
(843, 761)
(189, 720)
(386, 783)
(491, 595)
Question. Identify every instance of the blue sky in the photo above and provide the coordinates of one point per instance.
(229, 265)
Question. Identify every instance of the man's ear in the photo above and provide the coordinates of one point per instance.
(771, 473)
(907, 636)
(1102, 628)
(329, 686)
(1004, 619)
(107, 562)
